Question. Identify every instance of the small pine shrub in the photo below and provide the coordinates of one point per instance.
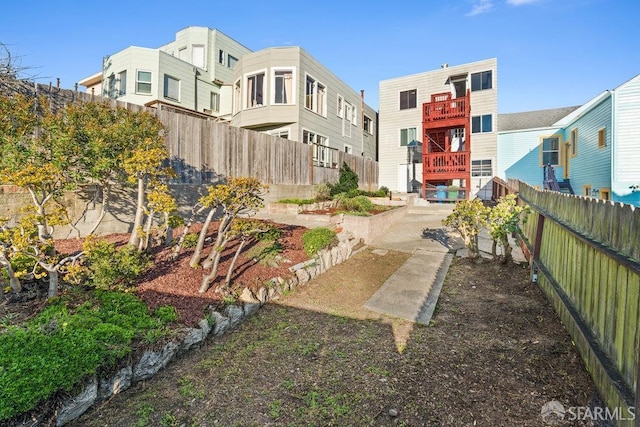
(272, 234)
(347, 181)
(111, 268)
(297, 201)
(317, 239)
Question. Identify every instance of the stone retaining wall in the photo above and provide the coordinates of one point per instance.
(99, 389)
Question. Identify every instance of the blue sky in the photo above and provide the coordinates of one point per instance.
(551, 53)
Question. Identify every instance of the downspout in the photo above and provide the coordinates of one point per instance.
(362, 122)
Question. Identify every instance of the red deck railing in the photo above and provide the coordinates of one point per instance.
(447, 162)
(443, 107)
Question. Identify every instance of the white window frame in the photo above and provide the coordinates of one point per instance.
(415, 131)
(481, 168)
(482, 127)
(166, 81)
(292, 97)
(194, 49)
(340, 107)
(280, 132)
(347, 120)
(322, 154)
(248, 99)
(214, 102)
(409, 105)
(138, 82)
(122, 83)
(318, 106)
(348, 148)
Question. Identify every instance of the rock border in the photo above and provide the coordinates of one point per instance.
(98, 389)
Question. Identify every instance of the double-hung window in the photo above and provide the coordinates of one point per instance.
(315, 96)
(171, 88)
(283, 87)
(255, 90)
(551, 150)
(481, 168)
(407, 135)
(408, 99)
(143, 82)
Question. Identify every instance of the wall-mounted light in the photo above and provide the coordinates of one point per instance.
(635, 188)
(595, 192)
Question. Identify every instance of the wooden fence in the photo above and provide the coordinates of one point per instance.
(202, 151)
(586, 256)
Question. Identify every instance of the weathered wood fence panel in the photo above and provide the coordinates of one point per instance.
(203, 151)
(586, 256)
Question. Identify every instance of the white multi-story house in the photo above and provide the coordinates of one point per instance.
(284, 91)
(438, 129)
(194, 73)
(280, 91)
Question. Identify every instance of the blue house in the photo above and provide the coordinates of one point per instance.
(593, 149)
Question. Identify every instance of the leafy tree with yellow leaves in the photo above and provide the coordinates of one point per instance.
(239, 196)
(468, 218)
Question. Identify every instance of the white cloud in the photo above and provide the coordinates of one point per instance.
(521, 2)
(482, 6)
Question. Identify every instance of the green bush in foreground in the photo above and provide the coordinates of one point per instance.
(63, 344)
(317, 239)
(112, 268)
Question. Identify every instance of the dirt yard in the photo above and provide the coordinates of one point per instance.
(493, 355)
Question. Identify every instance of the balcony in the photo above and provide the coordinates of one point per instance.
(443, 108)
(446, 165)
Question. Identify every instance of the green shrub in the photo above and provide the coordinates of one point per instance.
(317, 239)
(354, 204)
(323, 192)
(166, 313)
(347, 181)
(190, 240)
(64, 344)
(265, 252)
(297, 201)
(112, 268)
(272, 234)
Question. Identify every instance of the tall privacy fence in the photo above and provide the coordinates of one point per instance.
(586, 257)
(203, 150)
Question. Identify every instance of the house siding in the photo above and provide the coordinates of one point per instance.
(626, 157)
(519, 155)
(592, 165)
(296, 117)
(393, 157)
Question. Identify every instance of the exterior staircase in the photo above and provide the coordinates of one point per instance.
(550, 181)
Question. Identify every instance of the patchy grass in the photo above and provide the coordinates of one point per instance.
(495, 355)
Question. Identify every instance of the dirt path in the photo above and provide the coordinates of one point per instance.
(494, 354)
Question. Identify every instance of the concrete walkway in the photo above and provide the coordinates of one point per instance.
(412, 292)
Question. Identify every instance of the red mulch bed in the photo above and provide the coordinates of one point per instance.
(175, 283)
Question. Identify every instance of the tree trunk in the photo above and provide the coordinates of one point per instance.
(143, 245)
(214, 261)
(53, 281)
(134, 240)
(221, 241)
(506, 247)
(43, 233)
(494, 247)
(227, 280)
(14, 282)
(194, 212)
(197, 252)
